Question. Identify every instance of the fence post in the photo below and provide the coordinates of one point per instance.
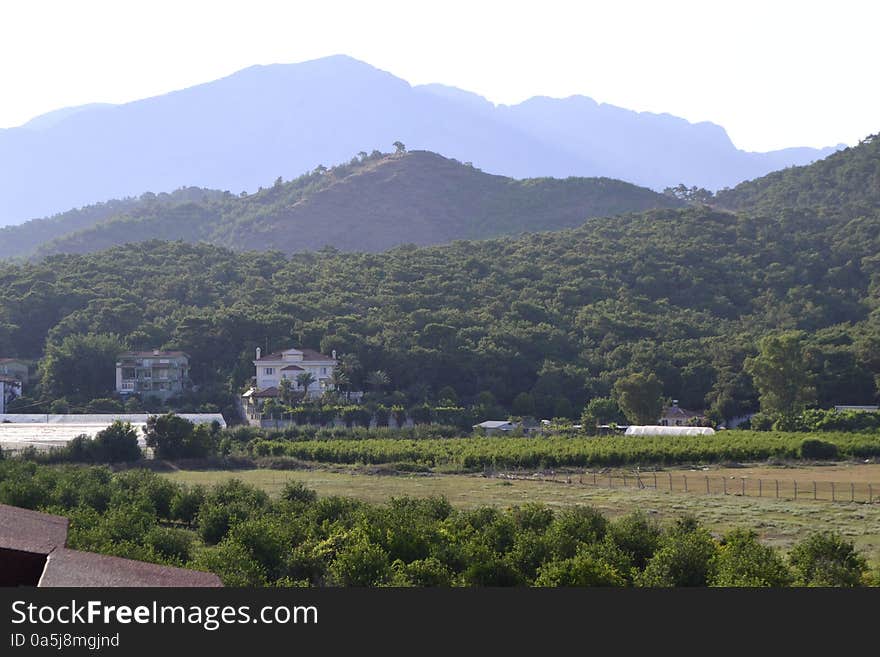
(832, 492)
(707, 484)
(777, 487)
(724, 481)
(655, 480)
(760, 487)
(814, 490)
(610, 482)
(594, 478)
(870, 494)
(852, 492)
(624, 480)
(743, 486)
(795, 489)
(670, 481)
(685, 477)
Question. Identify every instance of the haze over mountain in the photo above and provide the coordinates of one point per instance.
(372, 203)
(238, 132)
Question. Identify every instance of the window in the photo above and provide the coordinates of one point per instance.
(323, 370)
(270, 371)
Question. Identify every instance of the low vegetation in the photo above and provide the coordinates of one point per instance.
(301, 539)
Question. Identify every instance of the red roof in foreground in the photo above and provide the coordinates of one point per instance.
(73, 568)
(31, 531)
(24, 532)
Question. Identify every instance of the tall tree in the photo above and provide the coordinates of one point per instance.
(781, 374)
(640, 397)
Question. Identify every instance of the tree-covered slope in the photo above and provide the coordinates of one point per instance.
(559, 315)
(23, 240)
(371, 204)
(847, 179)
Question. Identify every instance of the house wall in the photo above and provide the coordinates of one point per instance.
(156, 376)
(8, 392)
(320, 370)
(15, 370)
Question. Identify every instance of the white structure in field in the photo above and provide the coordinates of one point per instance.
(10, 388)
(657, 430)
(291, 364)
(21, 430)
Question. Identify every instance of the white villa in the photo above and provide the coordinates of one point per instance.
(290, 364)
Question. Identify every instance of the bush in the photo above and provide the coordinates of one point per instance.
(685, 558)
(360, 563)
(827, 559)
(186, 503)
(296, 491)
(574, 527)
(581, 570)
(173, 544)
(743, 561)
(818, 450)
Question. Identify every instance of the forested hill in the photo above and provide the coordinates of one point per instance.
(560, 315)
(24, 239)
(847, 181)
(372, 203)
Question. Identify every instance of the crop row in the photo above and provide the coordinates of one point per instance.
(503, 452)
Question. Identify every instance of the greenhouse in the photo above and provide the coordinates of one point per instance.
(657, 430)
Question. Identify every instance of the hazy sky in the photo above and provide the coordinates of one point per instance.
(774, 73)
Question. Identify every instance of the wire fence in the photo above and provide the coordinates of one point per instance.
(790, 489)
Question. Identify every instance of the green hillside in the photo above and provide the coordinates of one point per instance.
(23, 240)
(559, 316)
(847, 181)
(372, 203)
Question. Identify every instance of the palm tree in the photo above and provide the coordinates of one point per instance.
(378, 380)
(305, 380)
(285, 388)
(339, 379)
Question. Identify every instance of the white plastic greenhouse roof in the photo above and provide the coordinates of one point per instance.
(657, 430)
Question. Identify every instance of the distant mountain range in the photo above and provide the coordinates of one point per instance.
(372, 203)
(282, 120)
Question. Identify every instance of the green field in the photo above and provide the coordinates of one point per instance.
(778, 522)
(476, 453)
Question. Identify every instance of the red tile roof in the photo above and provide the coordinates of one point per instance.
(292, 367)
(43, 534)
(308, 354)
(31, 531)
(152, 354)
(74, 568)
(266, 392)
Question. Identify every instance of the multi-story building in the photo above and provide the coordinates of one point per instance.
(14, 367)
(161, 374)
(10, 388)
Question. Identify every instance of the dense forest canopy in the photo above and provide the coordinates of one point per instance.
(683, 294)
(372, 203)
(848, 178)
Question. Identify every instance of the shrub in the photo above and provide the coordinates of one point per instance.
(818, 449)
(581, 570)
(826, 559)
(173, 544)
(742, 561)
(296, 491)
(684, 558)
